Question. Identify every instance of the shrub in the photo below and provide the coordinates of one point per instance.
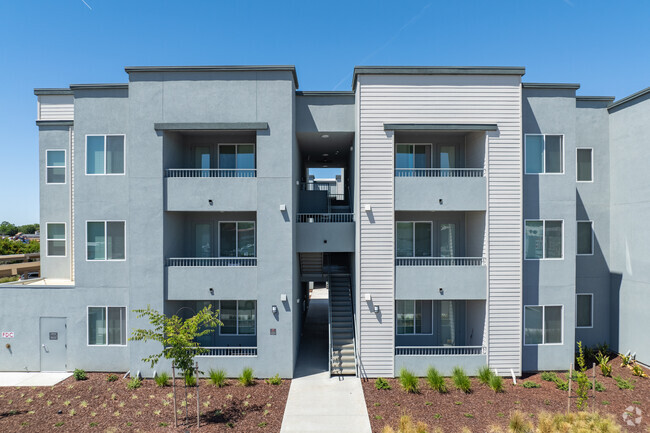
(531, 384)
(638, 371)
(112, 378)
(436, 381)
(496, 383)
(549, 376)
(217, 377)
(600, 387)
(275, 380)
(560, 384)
(162, 379)
(461, 381)
(79, 374)
(603, 363)
(484, 375)
(582, 381)
(623, 383)
(519, 424)
(246, 378)
(190, 380)
(134, 383)
(408, 381)
(625, 360)
(406, 425)
(382, 383)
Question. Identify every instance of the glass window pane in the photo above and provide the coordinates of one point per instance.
(95, 241)
(426, 322)
(422, 240)
(115, 247)
(96, 325)
(55, 158)
(584, 165)
(404, 156)
(116, 325)
(417, 318)
(202, 241)
(56, 248)
(405, 317)
(533, 240)
(228, 315)
(534, 153)
(404, 239)
(447, 157)
(583, 310)
(56, 239)
(422, 157)
(554, 154)
(447, 240)
(228, 239)
(245, 156)
(553, 239)
(552, 325)
(227, 157)
(95, 155)
(246, 317)
(246, 239)
(115, 154)
(533, 325)
(55, 231)
(585, 238)
(447, 323)
(56, 175)
(202, 157)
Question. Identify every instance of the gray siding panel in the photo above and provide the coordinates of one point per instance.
(55, 107)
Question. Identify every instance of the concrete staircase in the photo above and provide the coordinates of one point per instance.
(311, 264)
(340, 299)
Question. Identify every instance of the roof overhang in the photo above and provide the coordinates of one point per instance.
(440, 127)
(215, 126)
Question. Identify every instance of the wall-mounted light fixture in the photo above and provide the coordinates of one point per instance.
(442, 292)
(376, 309)
(283, 208)
(211, 291)
(440, 200)
(368, 208)
(210, 202)
(368, 297)
(274, 309)
(283, 297)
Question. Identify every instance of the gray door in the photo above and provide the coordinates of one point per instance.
(53, 344)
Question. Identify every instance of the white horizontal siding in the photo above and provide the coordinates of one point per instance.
(55, 107)
(439, 99)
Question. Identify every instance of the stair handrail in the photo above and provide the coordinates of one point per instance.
(354, 330)
(329, 321)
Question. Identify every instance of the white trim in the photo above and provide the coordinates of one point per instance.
(592, 310)
(591, 149)
(65, 167)
(544, 155)
(414, 310)
(105, 259)
(236, 238)
(544, 325)
(65, 239)
(543, 239)
(592, 238)
(237, 334)
(105, 307)
(86, 154)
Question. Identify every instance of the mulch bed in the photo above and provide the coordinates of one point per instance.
(483, 407)
(96, 405)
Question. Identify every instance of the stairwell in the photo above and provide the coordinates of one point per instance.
(342, 359)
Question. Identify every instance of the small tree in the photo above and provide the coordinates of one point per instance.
(582, 380)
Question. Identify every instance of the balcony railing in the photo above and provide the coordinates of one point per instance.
(439, 261)
(212, 261)
(439, 172)
(210, 172)
(229, 351)
(325, 217)
(440, 350)
(331, 188)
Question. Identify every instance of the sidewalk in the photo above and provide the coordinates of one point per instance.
(17, 378)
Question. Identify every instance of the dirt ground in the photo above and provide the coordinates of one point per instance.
(483, 407)
(95, 405)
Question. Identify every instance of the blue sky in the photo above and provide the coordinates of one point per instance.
(601, 44)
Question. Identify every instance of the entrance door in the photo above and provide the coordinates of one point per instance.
(53, 344)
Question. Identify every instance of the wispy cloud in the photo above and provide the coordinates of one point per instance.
(569, 2)
(84, 2)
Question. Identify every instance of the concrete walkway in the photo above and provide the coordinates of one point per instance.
(317, 403)
(18, 378)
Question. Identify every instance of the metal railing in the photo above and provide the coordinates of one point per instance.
(211, 172)
(329, 324)
(229, 351)
(212, 261)
(439, 261)
(325, 217)
(330, 187)
(439, 350)
(439, 172)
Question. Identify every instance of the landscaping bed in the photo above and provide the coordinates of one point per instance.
(483, 407)
(98, 405)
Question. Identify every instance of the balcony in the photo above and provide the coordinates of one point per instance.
(458, 277)
(439, 350)
(229, 352)
(444, 358)
(325, 232)
(440, 189)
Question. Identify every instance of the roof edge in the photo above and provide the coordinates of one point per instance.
(440, 127)
(596, 98)
(629, 98)
(100, 86)
(567, 86)
(53, 91)
(325, 93)
(211, 126)
(40, 123)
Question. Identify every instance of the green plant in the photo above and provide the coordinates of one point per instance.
(190, 379)
(603, 363)
(436, 380)
(548, 376)
(531, 384)
(217, 377)
(496, 383)
(468, 415)
(638, 371)
(408, 381)
(600, 387)
(623, 383)
(246, 378)
(519, 424)
(625, 360)
(162, 379)
(79, 374)
(484, 375)
(582, 381)
(112, 378)
(382, 383)
(461, 381)
(134, 383)
(59, 424)
(275, 380)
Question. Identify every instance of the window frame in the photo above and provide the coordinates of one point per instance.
(105, 141)
(218, 161)
(431, 239)
(414, 310)
(65, 167)
(431, 157)
(544, 156)
(591, 304)
(544, 239)
(237, 334)
(106, 307)
(105, 243)
(236, 239)
(47, 239)
(590, 149)
(592, 238)
(543, 343)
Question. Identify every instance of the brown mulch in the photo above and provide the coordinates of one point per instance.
(111, 407)
(483, 407)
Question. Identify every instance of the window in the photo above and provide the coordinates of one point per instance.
(585, 167)
(584, 310)
(543, 239)
(107, 326)
(544, 154)
(585, 238)
(105, 154)
(55, 239)
(55, 166)
(237, 239)
(238, 317)
(238, 157)
(105, 240)
(414, 317)
(413, 239)
(542, 325)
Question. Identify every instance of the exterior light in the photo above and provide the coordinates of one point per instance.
(442, 292)
(325, 136)
(210, 202)
(368, 297)
(283, 208)
(376, 309)
(211, 291)
(274, 309)
(440, 200)
(368, 208)
(283, 297)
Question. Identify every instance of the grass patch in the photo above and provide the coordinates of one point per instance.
(162, 380)
(408, 381)
(496, 383)
(436, 380)
(484, 375)
(461, 381)
(275, 380)
(246, 377)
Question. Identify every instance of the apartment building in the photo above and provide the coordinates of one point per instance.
(466, 218)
